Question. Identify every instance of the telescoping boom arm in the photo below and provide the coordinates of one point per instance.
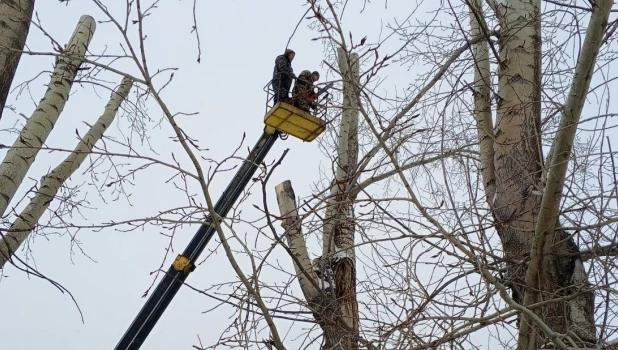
(184, 263)
(281, 119)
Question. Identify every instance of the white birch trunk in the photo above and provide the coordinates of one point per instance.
(22, 154)
(15, 19)
(51, 183)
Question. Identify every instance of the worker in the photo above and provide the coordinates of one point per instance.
(283, 74)
(303, 94)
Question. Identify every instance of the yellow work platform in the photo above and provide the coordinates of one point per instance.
(293, 121)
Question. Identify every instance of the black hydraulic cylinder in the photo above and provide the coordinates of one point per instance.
(174, 278)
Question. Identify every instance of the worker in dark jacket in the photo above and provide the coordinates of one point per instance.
(303, 94)
(283, 74)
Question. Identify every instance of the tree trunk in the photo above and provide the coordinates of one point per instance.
(295, 239)
(554, 270)
(517, 167)
(347, 150)
(51, 183)
(482, 99)
(314, 279)
(15, 17)
(339, 226)
(38, 127)
(517, 148)
(334, 307)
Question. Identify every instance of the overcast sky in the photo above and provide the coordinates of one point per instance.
(239, 40)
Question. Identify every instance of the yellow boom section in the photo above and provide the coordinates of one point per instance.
(293, 121)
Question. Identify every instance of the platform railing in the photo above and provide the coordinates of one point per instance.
(320, 104)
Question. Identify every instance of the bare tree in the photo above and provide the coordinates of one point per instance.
(527, 208)
(75, 63)
(545, 266)
(469, 191)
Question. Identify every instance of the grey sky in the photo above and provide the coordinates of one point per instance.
(240, 40)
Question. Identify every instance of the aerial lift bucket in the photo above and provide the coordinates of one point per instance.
(293, 121)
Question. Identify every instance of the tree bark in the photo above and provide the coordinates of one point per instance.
(295, 239)
(322, 302)
(527, 228)
(335, 307)
(347, 149)
(22, 154)
(482, 100)
(339, 227)
(51, 183)
(517, 147)
(15, 17)
(549, 270)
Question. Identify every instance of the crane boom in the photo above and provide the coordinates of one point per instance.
(282, 119)
(184, 264)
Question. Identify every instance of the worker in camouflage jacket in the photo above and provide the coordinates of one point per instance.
(283, 74)
(304, 95)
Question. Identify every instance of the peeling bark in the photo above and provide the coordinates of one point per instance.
(22, 154)
(51, 183)
(15, 17)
